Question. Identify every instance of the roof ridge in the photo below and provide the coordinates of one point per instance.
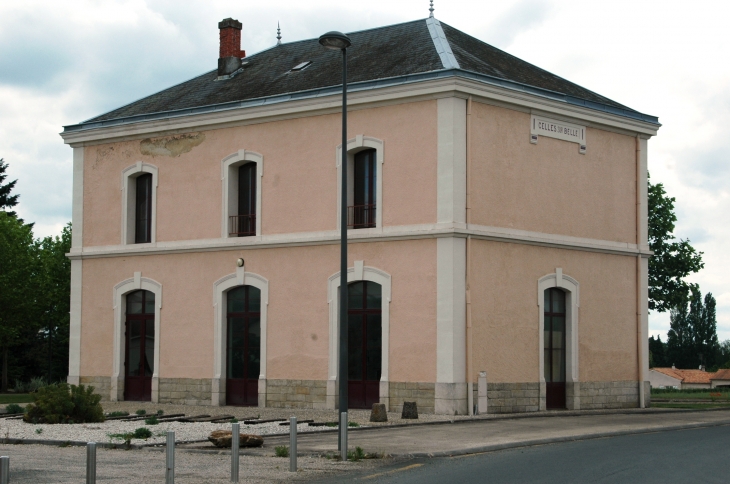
(441, 43)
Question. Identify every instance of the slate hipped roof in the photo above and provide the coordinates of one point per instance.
(402, 53)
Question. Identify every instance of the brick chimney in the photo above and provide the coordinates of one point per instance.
(230, 49)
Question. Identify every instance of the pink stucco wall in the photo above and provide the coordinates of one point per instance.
(299, 185)
(505, 314)
(298, 321)
(550, 187)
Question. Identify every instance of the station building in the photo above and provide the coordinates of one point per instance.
(497, 225)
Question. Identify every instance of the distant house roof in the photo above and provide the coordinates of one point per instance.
(721, 375)
(407, 52)
(687, 376)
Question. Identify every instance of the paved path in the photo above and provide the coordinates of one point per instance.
(695, 455)
(485, 435)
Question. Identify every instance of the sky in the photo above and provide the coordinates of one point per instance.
(65, 62)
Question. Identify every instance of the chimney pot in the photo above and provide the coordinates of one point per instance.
(230, 56)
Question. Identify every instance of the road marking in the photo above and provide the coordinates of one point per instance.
(406, 468)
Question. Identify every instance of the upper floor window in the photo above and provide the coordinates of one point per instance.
(139, 193)
(243, 223)
(362, 213)
(241, 173)
(143, 209)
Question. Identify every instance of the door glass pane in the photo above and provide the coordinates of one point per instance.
(134, 302)
(547, 301)
(558, 331)
(149, 302)
(149, 347)
(558, 297)
(133, 342)
(373, 295)
(558, 364)
(235, 363)
(247, 189)
(236, 332)
(254, 299)
(354, 295)
(547, 365)
(254, 351)
(354, 347)
(373, 345)
(142, 208)
(235, 300)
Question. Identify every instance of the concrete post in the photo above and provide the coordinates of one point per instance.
(235, 445)
(343, 436)
(482, 393)
(4, 470)
(91, 463)
(293, 444)
(170, 451)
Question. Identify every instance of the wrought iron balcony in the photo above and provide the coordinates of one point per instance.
(361, 216)
(242, 225)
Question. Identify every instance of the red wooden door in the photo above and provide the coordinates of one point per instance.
(140, 346)
(555, 348)
(365, 341)
(243, 346)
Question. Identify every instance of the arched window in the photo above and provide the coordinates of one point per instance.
(143, 209)
(243, 224)
(365, 337)
(554, 347)
(140, 346)
(362, 213)
(243, 307)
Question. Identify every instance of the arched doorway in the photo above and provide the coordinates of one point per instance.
(364, 343)
(139, 337)
(554, 352)
(243, 345)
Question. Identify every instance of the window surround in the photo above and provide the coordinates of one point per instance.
(119, 305)
(572, 307)
(355, 145)
(359, 272)
(229, 179)
(220, 288)
(129, 191)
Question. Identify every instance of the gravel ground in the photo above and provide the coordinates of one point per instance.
(40, 464)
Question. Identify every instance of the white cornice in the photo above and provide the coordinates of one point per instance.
(331, 103)
(329, 237)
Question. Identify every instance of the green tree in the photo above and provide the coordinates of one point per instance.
(6, 199)
(692, 338)
(673, 260)
(679, 337)
(707, 346)
(18, 268)
(657, 352)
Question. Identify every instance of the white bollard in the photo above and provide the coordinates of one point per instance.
(4, 470)
(482, 404)
(293, 444)
(235, 445)
(343, 436)
(170, 451)
(91, 463)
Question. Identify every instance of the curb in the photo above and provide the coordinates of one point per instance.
(555, 440)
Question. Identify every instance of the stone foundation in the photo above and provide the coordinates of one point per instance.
(101, 384)
(421, 393)
(609, 394)
(296, 394)
(513, 397)
(185, 391)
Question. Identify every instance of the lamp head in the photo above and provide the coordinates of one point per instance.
(335, 40)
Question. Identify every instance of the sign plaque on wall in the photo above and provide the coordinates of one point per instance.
(541, 126)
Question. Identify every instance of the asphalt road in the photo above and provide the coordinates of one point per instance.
(686, 456)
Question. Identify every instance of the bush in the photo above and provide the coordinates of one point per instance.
(142, 433)
(33, 385)
(151, 420)
(64, 403)
(14, 408)
(117, 414)
(281, 451)
(141, 412)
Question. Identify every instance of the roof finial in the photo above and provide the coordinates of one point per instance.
(278, 34)
(431, 10)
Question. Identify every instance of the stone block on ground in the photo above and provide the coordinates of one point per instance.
(378, 413)
(222, 439)
(410, 410)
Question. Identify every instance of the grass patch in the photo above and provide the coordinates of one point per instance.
(151, 420)
(281, 451)
(139, 433)
(117, 414)
(141, 412)
(14, 408)
(6, 398)
(690, 406)
(703, 395)
(337, 424)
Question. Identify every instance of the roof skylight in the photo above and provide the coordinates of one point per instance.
(301, 66)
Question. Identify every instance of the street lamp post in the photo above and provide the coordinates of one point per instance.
(340, 41)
